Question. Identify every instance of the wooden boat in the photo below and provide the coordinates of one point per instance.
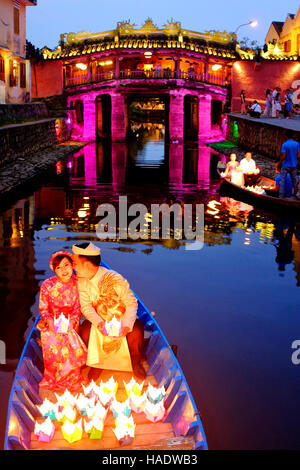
(181, 427)
(265, 201)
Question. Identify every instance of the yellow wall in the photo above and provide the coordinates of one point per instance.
(12, 47)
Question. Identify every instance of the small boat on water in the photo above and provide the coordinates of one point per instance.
(181, 428)
(262, 197)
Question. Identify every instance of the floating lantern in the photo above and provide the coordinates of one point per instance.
(48, 409)
(137, 402)
(107, 391)
(98, 411)
(92, 390)
(72, 431)
(124, 430)
(155, 395)
(113, 328)
(133, 387)
(61, 323)
(120, 408)
(67, 414)
(83, 404)
(65, 399)
(44, 432)
(94, 428)
(154, 412)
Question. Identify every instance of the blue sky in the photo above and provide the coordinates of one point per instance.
(50, 18)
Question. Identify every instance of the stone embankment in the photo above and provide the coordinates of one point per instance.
(263, 136)
(30, 143)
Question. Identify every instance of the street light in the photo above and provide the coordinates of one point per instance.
(252, 23)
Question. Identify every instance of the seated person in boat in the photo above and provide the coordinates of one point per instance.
(233, 164)
(288, 186)
(64, 352)
(105, 294)
(249, 169)
(255, 110)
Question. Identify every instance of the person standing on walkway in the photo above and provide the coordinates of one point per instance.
(290, 152)
(243, 102)
(268, 102)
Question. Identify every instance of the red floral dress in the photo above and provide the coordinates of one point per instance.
(63, 353)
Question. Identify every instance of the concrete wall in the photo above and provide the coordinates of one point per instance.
(22, 140)
(46, 78)
(255, 79)
(23, 111)
(256, 136)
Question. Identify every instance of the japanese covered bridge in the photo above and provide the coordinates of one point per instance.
(102, 74)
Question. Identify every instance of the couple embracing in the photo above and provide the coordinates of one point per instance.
(98, 294)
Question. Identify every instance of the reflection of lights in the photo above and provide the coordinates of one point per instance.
(212, 205)
(82, 213)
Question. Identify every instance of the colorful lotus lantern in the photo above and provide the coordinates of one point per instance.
(44, 432)
(133, 387)
(92, 390)
(107, 392)
(61, 323)
(67, 414)
(113, 327)
(120, 408)
(48, 409)
(83, 404)
(65, 399)
(94, 427)
(154, 412)
(98, 411)
(137, 402)
(124, 430)
(154, 394)
(72, 431)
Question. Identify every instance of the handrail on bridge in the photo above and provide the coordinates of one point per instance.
(148, 74)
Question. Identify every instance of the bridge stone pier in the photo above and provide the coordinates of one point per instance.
(180, 115)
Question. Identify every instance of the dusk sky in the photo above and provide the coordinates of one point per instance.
(50, 18)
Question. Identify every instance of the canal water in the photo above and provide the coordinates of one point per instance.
(232, 307)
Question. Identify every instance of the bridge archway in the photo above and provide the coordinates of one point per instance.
(103, 116)
(191, 117)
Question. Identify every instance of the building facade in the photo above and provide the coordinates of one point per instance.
(14, 68)
(285, 36)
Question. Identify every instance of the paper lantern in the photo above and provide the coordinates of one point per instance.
(61, 323)
(92, 390)
(107, 391)
(124, 430)
(98, 411)
(94, 427)
(154, 412)
(67, 414)
(72, 431)
(133, 387)
(137, 403)
(113, 327)
(48, 409)
(154, 394)
(65, 399)
(83, 404)
(44, 432)
(120, 408)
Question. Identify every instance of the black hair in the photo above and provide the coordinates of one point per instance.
(289, 133)
(57, 260)
(95, 260)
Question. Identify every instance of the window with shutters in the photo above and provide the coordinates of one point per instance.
(16, 20)
(13, 73)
